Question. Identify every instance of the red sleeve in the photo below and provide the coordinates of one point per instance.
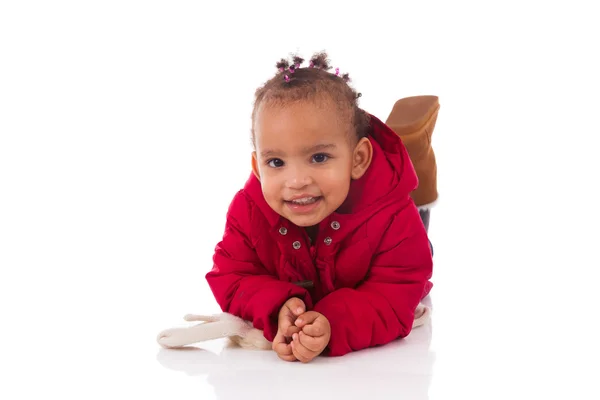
(242, 286)
(382, 308)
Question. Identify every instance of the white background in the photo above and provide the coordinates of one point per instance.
(124, 133)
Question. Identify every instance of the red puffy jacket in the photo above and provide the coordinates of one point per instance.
(369, 268)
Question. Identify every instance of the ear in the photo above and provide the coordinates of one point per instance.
(361, 159)
(255, 166)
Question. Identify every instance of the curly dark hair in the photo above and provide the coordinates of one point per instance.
(293, 83)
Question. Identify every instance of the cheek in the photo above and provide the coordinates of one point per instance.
(270, 185)
(336, 180)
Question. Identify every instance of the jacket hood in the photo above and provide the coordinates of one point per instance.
(389, 179)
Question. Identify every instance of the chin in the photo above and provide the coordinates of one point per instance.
(304, 222)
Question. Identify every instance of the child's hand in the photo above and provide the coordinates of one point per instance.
(313, 337)
(286, 328)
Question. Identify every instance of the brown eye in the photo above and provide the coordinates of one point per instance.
(320, 158)
(275, 163)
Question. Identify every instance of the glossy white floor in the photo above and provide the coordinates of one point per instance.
(123, 136)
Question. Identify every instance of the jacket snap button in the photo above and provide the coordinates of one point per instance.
(283, 230)
(328, 241)
(335, 225)
(296, 245)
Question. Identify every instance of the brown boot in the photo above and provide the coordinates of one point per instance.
(413, 119)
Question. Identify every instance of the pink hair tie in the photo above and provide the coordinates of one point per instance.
(337, 71)
(287, 78)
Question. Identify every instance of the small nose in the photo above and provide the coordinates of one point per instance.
(297, 178)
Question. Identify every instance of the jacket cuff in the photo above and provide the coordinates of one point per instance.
(332, 307)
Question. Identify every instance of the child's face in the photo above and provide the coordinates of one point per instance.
(305, 159)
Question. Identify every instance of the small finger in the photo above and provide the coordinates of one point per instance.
(306, 318)
(278, 339)
(296, 306)
(288, 358)
(283, 349)
(302, 353)
(314, 330)
(291, 330)
(296, 354)
(311, 343)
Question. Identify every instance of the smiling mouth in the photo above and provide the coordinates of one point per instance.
(304, 201)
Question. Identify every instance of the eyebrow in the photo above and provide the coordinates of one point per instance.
(319, 147)
(306, 150)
